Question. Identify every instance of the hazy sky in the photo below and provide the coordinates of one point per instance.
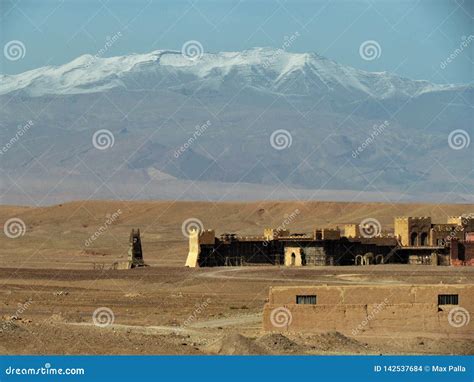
(415, 37)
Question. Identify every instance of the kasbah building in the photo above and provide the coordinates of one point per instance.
(437, 309)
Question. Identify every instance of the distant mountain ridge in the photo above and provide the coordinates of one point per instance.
(262, 68)
(151, 104)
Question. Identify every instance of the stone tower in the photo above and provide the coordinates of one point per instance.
(135, 254)
(413, 231)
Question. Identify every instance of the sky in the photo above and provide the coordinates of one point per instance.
(418, 39)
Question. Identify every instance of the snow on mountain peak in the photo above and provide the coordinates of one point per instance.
(266, 69)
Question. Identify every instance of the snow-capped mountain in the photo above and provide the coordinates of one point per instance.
(153, 104)
(265, 69)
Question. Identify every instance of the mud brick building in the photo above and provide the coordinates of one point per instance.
(415, 240)
(367, 309)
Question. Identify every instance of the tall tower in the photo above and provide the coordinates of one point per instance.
(192, 260)
(135, 254)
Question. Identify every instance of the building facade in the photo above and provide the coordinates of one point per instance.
(415, 240)
(371, 310)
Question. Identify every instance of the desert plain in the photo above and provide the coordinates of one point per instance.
(54, 277)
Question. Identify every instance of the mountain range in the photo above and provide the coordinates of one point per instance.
(261, 123)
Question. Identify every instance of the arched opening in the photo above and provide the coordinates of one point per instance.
(413, 238)
(293, 259)
(368, 258)
(424, 239)
(358, 260)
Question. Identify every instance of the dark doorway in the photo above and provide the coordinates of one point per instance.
(424, 239)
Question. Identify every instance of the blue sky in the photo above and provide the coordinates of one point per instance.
(415, 36)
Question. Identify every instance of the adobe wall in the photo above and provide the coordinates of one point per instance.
(462, 253)
(402, 230)
(404, 227)
(272, 233)
(120, 265)
(207, 237)
(351, 230)
(192, 260)
(331, 234)
(371, 310)
(297, 251)
(441, 234)
(467, 221)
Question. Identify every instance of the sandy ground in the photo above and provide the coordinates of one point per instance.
(173, 310)
(50, 289)
(56, 236)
